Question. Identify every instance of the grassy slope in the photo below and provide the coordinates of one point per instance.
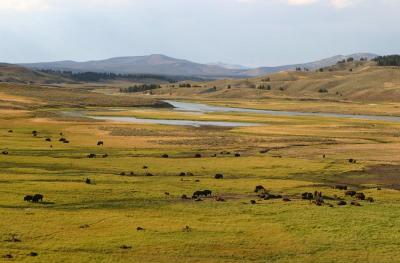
(365, 83)
(231, 231)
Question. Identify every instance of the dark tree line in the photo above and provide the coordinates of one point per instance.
(98, 76)
(392, 60)
(139, 88)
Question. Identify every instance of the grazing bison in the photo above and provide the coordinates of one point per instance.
(66, 141)
(122, 173)
(219, 199)
(184, 197)
(351, 160)
(140, 228)
(370, 199)
(48, 140)
(286, 199)
(4, 152)
(355, 203)
(105, 155)
(37, 198)
(34, 133)
(259, 188)
(307, 196)
(319, 200)
(10, 131)
(219, 176)
(360, 196)
(145, 167)
(166, 193)
(253, 202)
(91, 156)
(100, 143)
(350, 193)
(340, 187)
(237, 154)
(264, 151)
(197, 155)
(182, 174)
(149, 174)
(165, 156)
(28, 198)
(62, 140)
(88, 181)
(324, 156)
(341, 203)
(207, 192)
(197, 194)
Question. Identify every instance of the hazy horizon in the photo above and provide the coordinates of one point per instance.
(246, 32)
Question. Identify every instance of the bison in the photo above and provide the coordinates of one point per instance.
(197, 155)
(350, 193)
(219, 176)
(28, 198)
(340, 187)
(237, 154)
(100, 143)
(91, 156)
(360, 196)
(165, 156)
(37, 198)
(341, 203)
(307, 196)
(4, 152)
(259, 188)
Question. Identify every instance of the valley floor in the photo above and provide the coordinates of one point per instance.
(133, 211)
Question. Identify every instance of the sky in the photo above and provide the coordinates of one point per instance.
(247, 32)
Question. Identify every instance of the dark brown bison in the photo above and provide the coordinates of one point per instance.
(91, 156)
(307, 196)
(105, 155)
(182, 174)
(37, 198)
(355, 203)
(10, 131)
(237, 154)
(259, 188)
(286, 199)
(207, 192)
(165, 156)
(370, 199)
(88, 181)
(100, 143)
(48, 140)
(253, 202)
(219, 176)
(340, 187)
(360, 196)
(350, 193)
(197, 155)
(341, 203)
(28, 198)
(184, 197)
(4, 152)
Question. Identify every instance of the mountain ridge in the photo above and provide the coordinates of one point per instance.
(164, 65)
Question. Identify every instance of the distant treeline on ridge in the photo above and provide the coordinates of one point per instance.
(98, 76)
(392, 60)
(139, 88)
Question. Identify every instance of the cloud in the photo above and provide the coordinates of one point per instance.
(24, 5)
(301, 2)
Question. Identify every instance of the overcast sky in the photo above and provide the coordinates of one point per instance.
(249, 32)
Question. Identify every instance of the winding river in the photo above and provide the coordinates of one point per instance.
(204, 108)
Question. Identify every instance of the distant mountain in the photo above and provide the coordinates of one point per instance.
(228, 66)
(164, 65)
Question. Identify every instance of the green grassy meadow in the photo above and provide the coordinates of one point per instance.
(97, 222)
